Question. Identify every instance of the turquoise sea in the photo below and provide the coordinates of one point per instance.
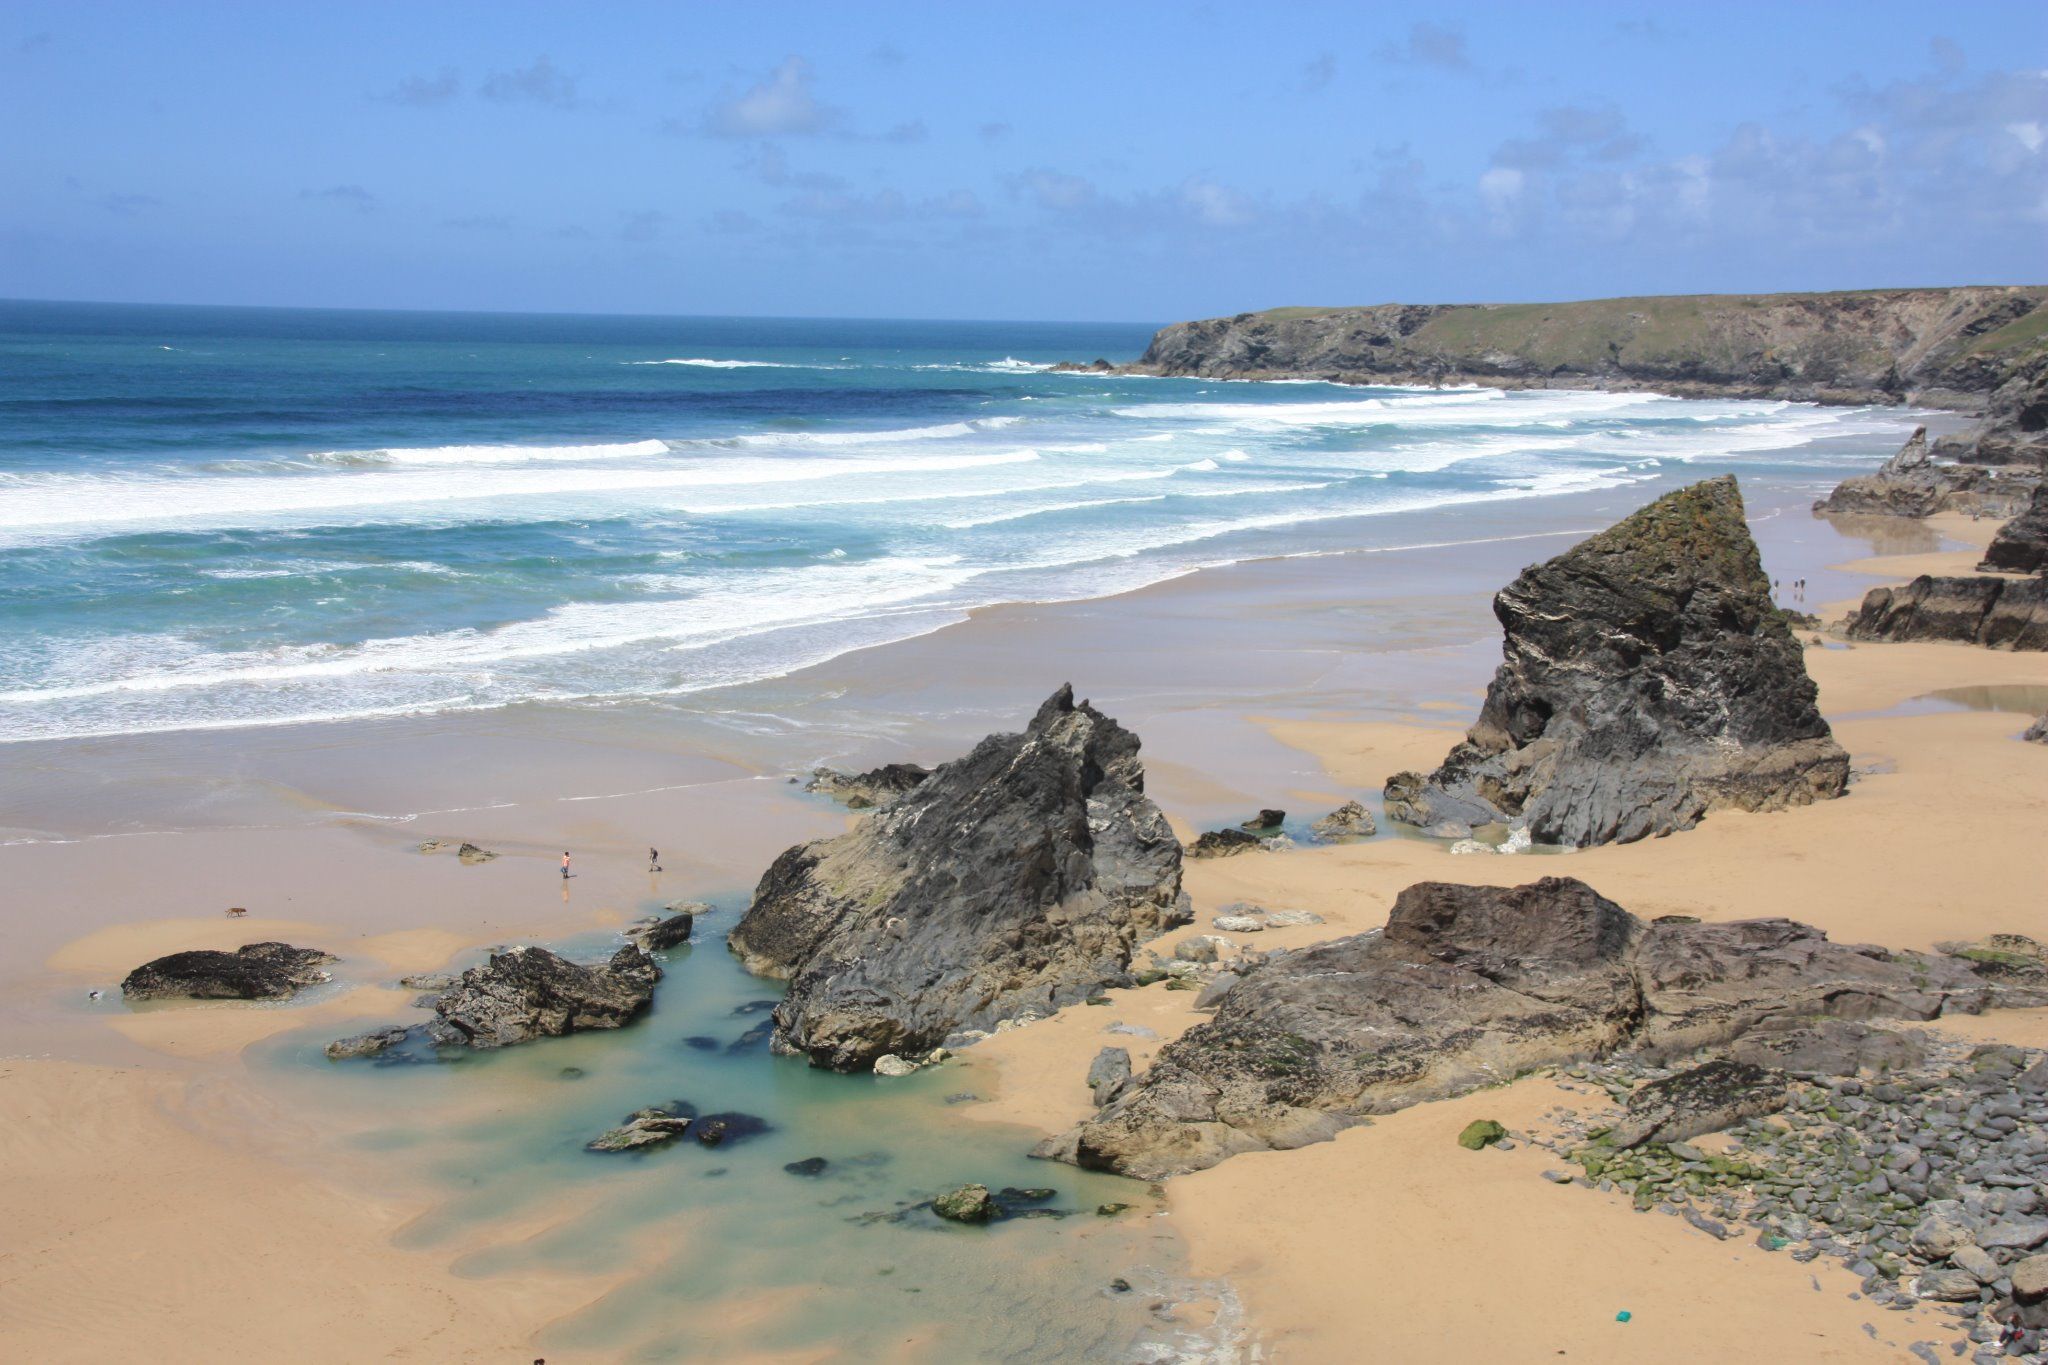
(217, 517)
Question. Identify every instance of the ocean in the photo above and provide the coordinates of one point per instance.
(220, 517)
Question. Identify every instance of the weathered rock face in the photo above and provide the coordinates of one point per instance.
(2002, 613)
(1468, 986)
(872, 788)
(2021, 545)
(1704, 1099)
(1913, 484)
(532, 993)
(1648, 680)
(1014, 880)
(254, 971)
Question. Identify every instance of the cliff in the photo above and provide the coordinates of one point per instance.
(1938, 347)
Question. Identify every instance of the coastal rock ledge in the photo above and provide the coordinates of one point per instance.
(1648, 679)
(1010, 882)
(1470, 986)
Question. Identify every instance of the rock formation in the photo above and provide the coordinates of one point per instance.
(2002, 613)
(658, 933)
(1011, 881)
(1470, 986)
(1913, 484)
(1223, 843)
(2021, 545)
(2037, 732)
(254, 971)
(1648, 680)
(523, 994)
(872, 788)
(1349, 821)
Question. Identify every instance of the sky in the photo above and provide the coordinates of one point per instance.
(1128, 162)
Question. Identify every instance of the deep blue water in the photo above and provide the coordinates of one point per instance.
(221, 517)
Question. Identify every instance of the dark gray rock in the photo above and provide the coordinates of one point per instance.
(875, 787)
(2021, 545)
(1648, 680)
(1703, 1099)
(1222, 843)
(254, 971)
(1913, 484)
(1010, 882)
(659, 933)
(1470, 986)
(2037, 733)
(530, 993)
(1349, 821)
(1107, 1073)
(2002, 613)
(1265, 822)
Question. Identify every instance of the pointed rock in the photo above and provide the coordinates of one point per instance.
(1648, 680)
(1007, 883)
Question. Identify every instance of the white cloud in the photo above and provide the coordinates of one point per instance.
(779, 105)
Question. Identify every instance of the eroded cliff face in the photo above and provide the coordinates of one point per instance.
(1011, 881)
(1942, 347)
(1646, 680)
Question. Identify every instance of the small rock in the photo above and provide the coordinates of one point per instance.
(809, 1166)
(1558, 1177)
(1222, 843)
(1265, 820)
(1481, 1133)
(1201, 948)
(1110, 1069)
(2030, 1291)
(1348, 821)
(968, 1204)
(1239, 924)
(889, 1064)
(366, 1044)
(471, 855)
(1110, 1210)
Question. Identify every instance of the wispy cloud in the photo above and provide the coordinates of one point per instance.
(1430, 44)
(1320, 72)
(780, 104)
(541, 83)
(643, 225)
(350, 196)
(422, 92)
(994, 131)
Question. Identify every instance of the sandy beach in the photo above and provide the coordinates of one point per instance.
(154, 1168)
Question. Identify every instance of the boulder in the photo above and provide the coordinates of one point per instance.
(1265, 822)
(2030, 1291)
(1471, 986)
(1008, 883)
(968, 1204)
(2021, 545)
(1348, 821)
(471, 855)
(1222, 843)
(875, 787)
(1481, 1133)
(1110, 1069)
(1239, 924)
(254, 971)
(529, 993)
(658, 933)
(645, 1128)
(2002, 613)
(2037, 733)
(367, 1044)
(1945, 1227)
(1703, 1099)
(1648, 679)
(1825, 1046)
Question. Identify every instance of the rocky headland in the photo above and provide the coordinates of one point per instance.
(1980, 350)
(1470, 986)
(1010, 882)
(1648, 679)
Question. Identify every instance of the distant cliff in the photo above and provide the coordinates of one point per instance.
(1936, 347)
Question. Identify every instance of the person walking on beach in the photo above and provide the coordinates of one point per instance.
(565, 865)
(653, 859)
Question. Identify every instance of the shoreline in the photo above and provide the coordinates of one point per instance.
(1307, 719)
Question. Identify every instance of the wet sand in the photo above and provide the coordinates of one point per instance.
(141, 1204)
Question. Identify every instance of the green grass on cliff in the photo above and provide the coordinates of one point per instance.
(2027, 332)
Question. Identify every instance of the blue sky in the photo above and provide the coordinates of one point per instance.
(1135, 162)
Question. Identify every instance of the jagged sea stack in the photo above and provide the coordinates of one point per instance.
(1648, 679)
(1014, 880)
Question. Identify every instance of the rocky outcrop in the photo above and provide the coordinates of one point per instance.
(1223, 843)
(860, 791)
(254, 971)
(1647, 681)
(2021, 545)
(1471, 986)
(2001, 613)
(530, 993)
(1349, 821)
(1010, 882)
(659, 933)
(1704, 1099)
(1913, 484)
